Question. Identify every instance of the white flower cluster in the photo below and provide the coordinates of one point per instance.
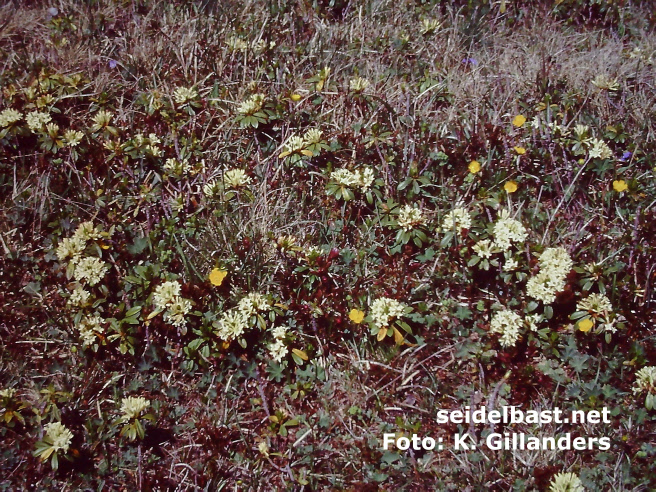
(508, 324)
(36, 121)
(234, 322)
(508, 231)
(595, 303)
(278, 349)
(101, 119)
(167, 298)
(90, 327)
(148, 144)
(253, 303)
(9, 116)
(73, 137)
(566, 482)
(410, 217)
(456, 219)
(183, 95)
(360, 178)
(312, 136)
(645, 380)
(485, 248)
(383, 310)
(600, 149)
(176, 167)
(251, 105)
(358, 84)
(59, 435)
(132, 406)
(89, 268)
(236, 178)
(231, 325)
(7, 393)
(555, 264)
(295, 145)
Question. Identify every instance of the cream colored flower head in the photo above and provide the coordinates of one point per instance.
(71, 247)
(595, 303)
(645, 380)
(358, 84)
(362, 178)
(36, 121)
(166, 293)
(508, 324)
(59, 435)
(52, 129)
(384, 310)
(7, 393)
(278, 350)
(132, 406)
(251, 105)
(231, 325)
(410, 217)
(174, 166)
(510, 265)
(294, 144)
(429, 26)
(566, 482)
(79, 297)
(508, 231)
(279, 332)
(91, 269)
(211, 189)
(177, 309)
(183, 95)
(236, 178)
(73, 137)
(600, 149)
(457, 219)
(556, 261)
(102, 119)
(253, 303)
(485, 248)
(90, 327)
(312, 136)
(344, 177)
(9, 116)
(366, 178)
(87, 231)
(606, 83)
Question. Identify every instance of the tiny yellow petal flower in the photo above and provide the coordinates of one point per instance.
(217, 276)
(474, 167)
(520, 150)
(510, 186)
(585, 325)
(519, 120)
(295, 97)
(356, 316)
(620, 186)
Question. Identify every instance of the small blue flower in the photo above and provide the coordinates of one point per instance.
(470, 61)
(626, 156)
(112, 64)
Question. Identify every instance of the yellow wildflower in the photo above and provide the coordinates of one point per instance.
(217, 276)
(620, 185)
(356, 316)
(474, 167)
(510, 186)
(519, 120)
